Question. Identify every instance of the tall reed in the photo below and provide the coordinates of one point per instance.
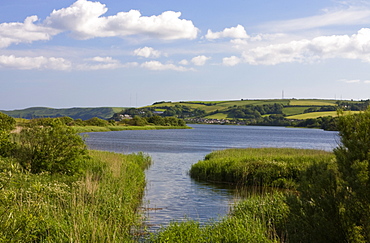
(278, 167)
(99, 206)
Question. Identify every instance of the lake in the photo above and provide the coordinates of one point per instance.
(171, 194)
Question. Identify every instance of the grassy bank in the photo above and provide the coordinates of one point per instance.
(278, 167)
(257, 219)
(96, 206)
(81, 129)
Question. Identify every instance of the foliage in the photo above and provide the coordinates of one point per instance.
(154, 120)
(256, 219)
(7, 124)
(328, 123)
(254, 111)
(353, 156)
(98, 206)
(319, 109)
(315, 213)
(280, 167)
(96, 122)
(353, 105)
(333, 204)
(75, 113)
(48, 145)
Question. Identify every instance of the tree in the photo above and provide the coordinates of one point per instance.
(7, 124)
(353, 156)
(333, 203)
(54, 148)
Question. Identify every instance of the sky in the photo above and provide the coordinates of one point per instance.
(81, 53)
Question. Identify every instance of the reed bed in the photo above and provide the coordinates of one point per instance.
(277, 167)
(260, 218)
(97, 206)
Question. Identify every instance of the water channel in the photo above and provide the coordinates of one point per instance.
(171, 194)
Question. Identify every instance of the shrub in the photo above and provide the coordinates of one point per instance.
(55, 148)
(7, 124)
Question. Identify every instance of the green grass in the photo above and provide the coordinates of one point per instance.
(256, 219)
(313, 102)
(99, 205)
(314, 115)
(220, 105)
(294, 110)
(278, 167)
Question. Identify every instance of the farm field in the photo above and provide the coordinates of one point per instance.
(313, 115)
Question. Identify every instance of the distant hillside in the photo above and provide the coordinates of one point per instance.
(245, 109)
(75, 113)
(312, 113)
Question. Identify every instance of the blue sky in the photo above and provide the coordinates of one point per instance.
(132, 53)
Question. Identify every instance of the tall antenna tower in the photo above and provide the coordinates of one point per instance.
(282, 95)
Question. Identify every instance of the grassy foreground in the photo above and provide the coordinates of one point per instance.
(98, 206)
(278, 167)
(257, 219)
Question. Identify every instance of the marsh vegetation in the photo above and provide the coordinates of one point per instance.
(327, 200)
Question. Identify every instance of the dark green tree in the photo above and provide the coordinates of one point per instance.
(353, 156)
(333, 201)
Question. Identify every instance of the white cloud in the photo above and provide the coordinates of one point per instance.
(350, 81)
(338, 17)
(104, 59)
(83, 19)
(26, 32)
(158, 66)
(184, 62)
(28, 63)
(200, 60)
(147, 52)
(237, 32)
(106, 66)
(356, 46)
(231, 61)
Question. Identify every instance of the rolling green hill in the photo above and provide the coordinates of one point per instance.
(313, 113)
(75, 113)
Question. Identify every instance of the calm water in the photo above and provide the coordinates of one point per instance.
(171, 194)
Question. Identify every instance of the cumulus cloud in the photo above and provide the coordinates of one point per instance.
(200, 60)
(84, 20)
(26, 32)
(103, 64)
(158, 66)
(104, 59)
(28, 63)
(356, 46)
(106, 66)
(184, 62)
(147, 52)
(237, 32)
(53, 63)
(231, 61)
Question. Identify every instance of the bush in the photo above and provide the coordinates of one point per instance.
(55, 148)
(333, 204)
(7, 124)
(96, 122)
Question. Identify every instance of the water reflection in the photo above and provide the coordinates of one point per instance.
(171, 194)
